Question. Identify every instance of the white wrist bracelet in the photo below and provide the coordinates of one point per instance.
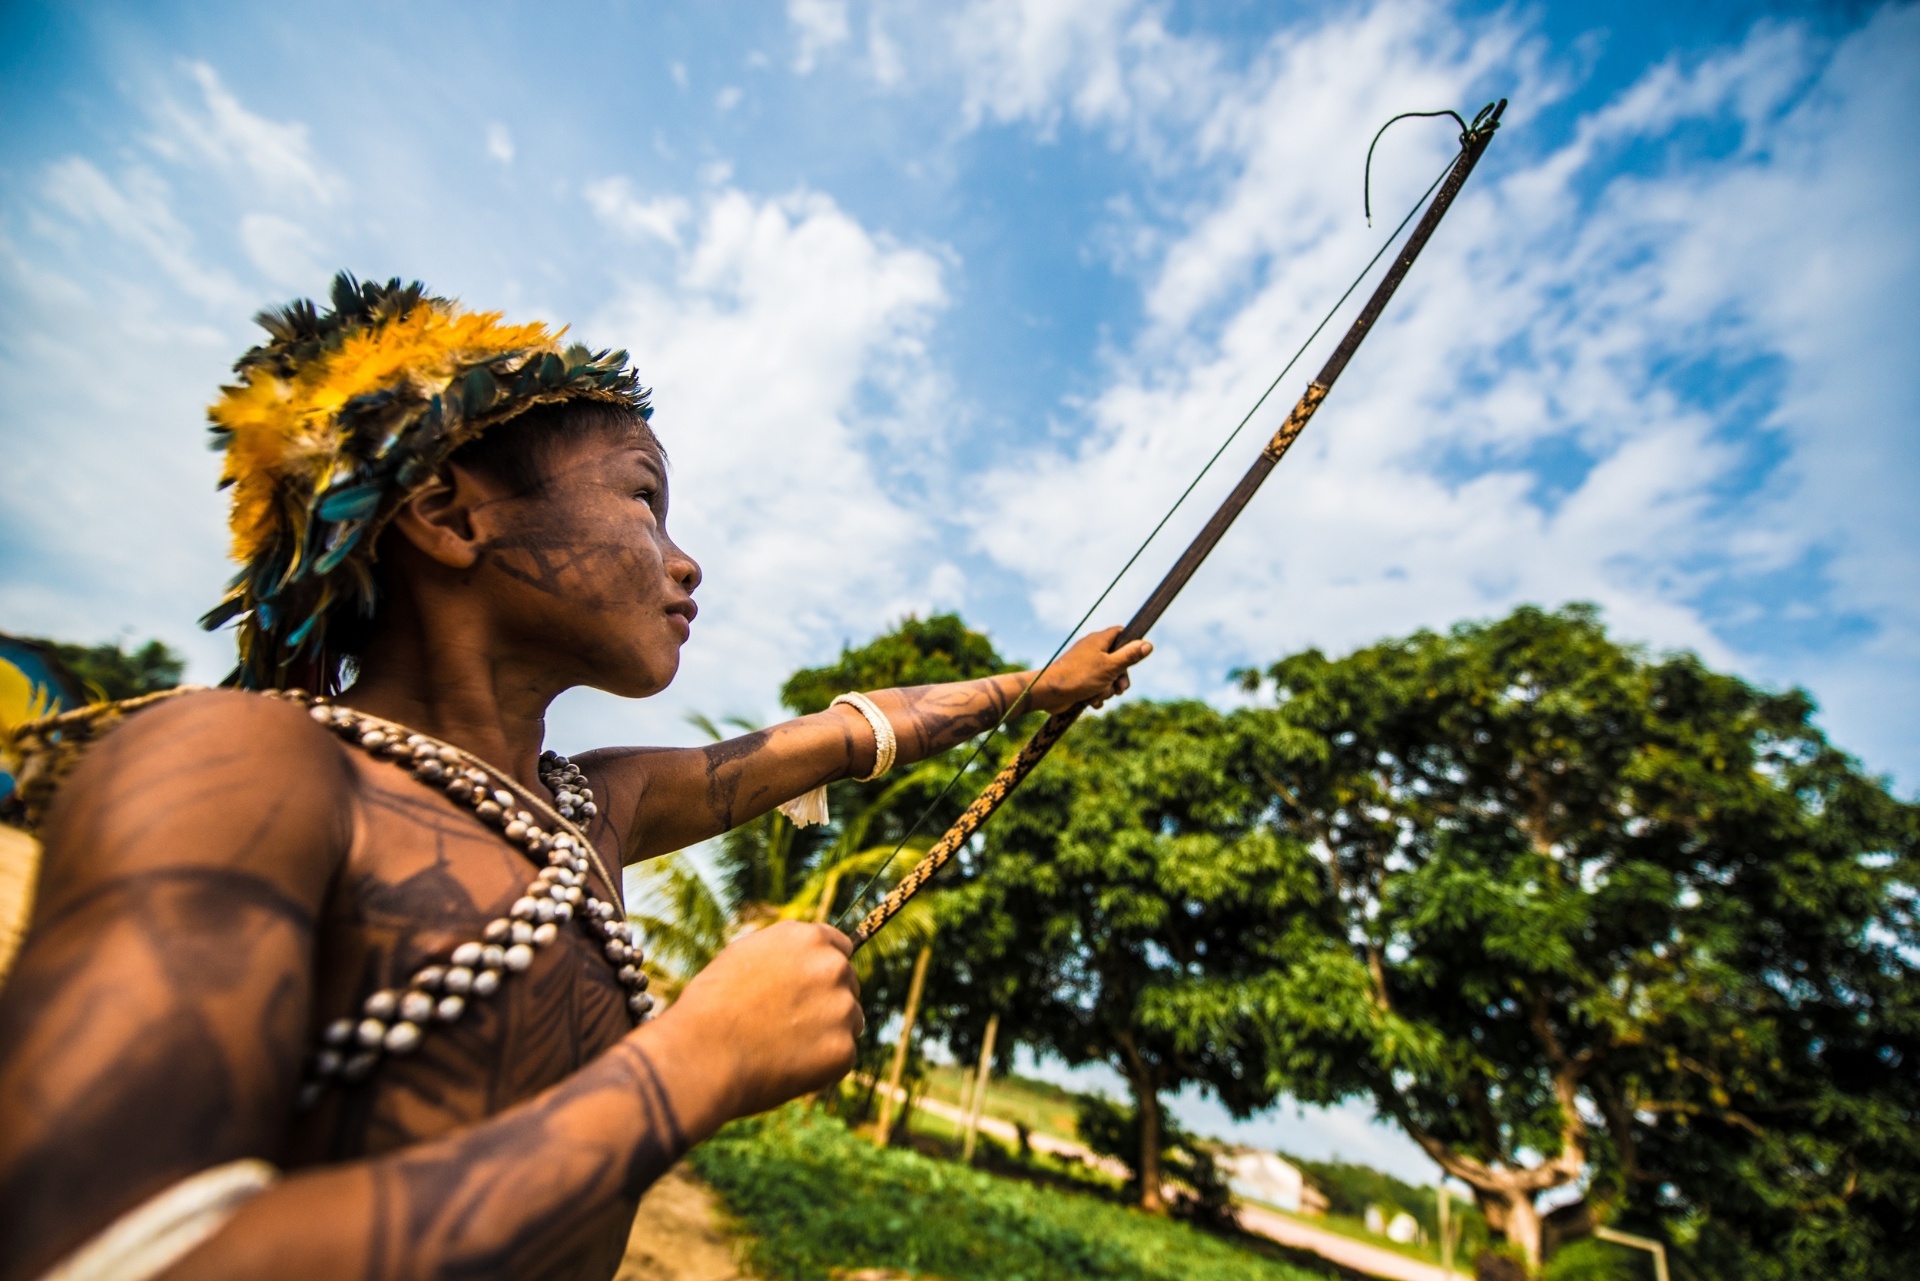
(811, 808)
(885, 745)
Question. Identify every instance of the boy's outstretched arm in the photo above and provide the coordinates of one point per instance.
(656, 800)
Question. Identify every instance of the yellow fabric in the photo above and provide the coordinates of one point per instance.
(19, 875)
(20, 699)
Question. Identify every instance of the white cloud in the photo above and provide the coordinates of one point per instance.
(500, 143)
(284, 251)
(1021, 57)
(883, 55)
(136, 211)
(274, 154)
(818, 25)
(780, 323)
(613, 201)
(1559, 308)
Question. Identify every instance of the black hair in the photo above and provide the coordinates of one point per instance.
(515, 453)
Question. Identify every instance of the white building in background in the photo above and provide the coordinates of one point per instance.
(1266, 1177)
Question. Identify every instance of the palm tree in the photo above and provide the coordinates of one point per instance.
(688, 911)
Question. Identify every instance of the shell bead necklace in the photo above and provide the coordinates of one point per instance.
(394, 1020)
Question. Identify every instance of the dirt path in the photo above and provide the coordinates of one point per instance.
(681, 1234)
(1334, 1248)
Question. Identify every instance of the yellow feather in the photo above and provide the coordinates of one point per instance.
(283, 434)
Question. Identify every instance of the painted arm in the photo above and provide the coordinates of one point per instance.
(656, 800)
(156, 1020)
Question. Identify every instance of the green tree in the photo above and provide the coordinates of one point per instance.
(1600, 919)
(1129, 901)
(112, 672)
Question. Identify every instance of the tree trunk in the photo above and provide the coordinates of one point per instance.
(1146, 1101)
(1511, 1213)
(978, 1102)
(1151, 1199)
(884, 1128)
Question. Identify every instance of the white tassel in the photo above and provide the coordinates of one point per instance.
(807, 809)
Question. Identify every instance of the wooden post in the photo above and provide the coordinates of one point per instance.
(1446, 1238)
(978, 1103)
(895, 1072)
(825, 907)
(1655, 1248)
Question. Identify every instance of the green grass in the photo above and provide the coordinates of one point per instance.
(1039, 1105)
(816, 1197)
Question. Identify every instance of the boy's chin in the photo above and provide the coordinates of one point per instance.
(641, 679)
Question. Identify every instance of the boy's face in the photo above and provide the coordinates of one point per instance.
(583, 569)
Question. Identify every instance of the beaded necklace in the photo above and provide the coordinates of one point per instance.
(394, 1020)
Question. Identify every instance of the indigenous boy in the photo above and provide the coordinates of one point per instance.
(247, 1034)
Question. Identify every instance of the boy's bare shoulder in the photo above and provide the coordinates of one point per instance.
(215, 777)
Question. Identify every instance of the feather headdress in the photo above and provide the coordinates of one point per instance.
(337, 419)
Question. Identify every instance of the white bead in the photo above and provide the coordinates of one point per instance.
(372, 739)
(381, 1005)
(515, 830)
(639, 1003)
(448, 756)
(522, 931)
(493, 956)
(628, 974)
(563, 841)
(415, 1007)
(338, 1032)
(503, 799)
(403, 1038)
(360, 1066)
(429, 979)
(563, 911)
(466, 954)
(580, 867)
(450, 1008)
(459, 980)
(328, 1062)
(545, 934)
(523, 909)
(371, 1032)
(495, 931)
(487, 810)
(519, 957)
(322, 714)
(616, 951)
(590, 809)
(560, 857)
(543, 910)
(486, 982)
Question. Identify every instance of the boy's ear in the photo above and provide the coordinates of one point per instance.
(438, 518)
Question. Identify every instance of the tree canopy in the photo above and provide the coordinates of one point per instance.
(1128, 903)
(1583, 919)
(1613, 922)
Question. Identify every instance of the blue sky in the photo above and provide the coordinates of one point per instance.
(943, 303)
